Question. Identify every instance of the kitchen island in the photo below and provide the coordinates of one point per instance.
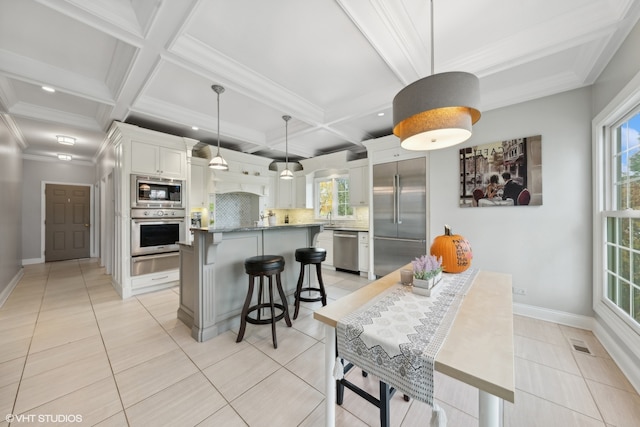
(213, 283)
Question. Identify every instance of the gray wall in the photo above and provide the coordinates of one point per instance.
(10, 208)
(35, 173)
(547, 248)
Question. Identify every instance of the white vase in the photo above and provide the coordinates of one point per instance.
(272, 220)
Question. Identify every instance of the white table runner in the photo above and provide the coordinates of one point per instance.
(398, 334)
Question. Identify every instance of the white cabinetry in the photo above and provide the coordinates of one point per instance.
(303, 191)
(359, 182)
(199, 183)
(363, 251)
(325, 241)
(286, 197)
(151, 159)
(387, 149)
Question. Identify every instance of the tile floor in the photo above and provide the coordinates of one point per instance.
(71, 350)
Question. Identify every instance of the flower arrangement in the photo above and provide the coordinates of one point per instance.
(427, 267)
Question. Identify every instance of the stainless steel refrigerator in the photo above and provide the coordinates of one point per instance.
(399, 214)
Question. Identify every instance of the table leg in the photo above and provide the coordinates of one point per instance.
(329, 381)
(490, 414)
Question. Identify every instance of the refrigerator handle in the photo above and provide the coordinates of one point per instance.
(397, 202)
(395, 205)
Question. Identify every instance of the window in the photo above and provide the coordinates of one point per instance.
(332, 195)
(622, 215)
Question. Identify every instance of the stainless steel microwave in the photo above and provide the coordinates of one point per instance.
(156, 192)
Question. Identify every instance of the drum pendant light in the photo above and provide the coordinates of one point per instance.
(286, 173)
(218, 162)
(436, 111)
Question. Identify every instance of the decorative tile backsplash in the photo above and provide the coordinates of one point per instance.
(235, 210)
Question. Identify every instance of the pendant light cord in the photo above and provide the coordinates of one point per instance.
(432, 43)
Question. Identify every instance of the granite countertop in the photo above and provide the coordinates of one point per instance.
(253, 228)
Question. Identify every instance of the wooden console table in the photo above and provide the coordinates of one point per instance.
(478, 350)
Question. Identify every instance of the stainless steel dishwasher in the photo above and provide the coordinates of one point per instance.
(345, 250)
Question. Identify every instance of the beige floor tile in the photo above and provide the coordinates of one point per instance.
(261, 406)
(343, 418)
(456, 394)
(552, 355)
(226, 417)
(7, 399)
(335, 292)
(138, 329)
(158, 297)
(50, 385)
(143, 380)
(603, 370)
(93, 404)
(11, 349)
(309, 366)
(214, 350)
(533, 411)
(365, 410)
(618, 407)
(129, 355)
(419, 415)
(241, 371)
(538, 330)
(291, 343)
(11, 371)
(56, 357)
(15, 319)
(54, 335)
(9, 335)
(308, 325)
(554, 385)
(117, 420)
(185, 403)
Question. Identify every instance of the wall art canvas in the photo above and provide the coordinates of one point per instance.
(504, 173)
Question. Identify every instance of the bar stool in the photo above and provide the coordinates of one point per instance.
(308, 256)
(259, 267)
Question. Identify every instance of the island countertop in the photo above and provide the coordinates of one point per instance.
(256, 228)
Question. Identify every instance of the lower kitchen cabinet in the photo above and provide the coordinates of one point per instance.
(363, 251)
(325, 241)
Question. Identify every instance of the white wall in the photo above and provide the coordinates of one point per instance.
(547, 248)
(34, 174)
(10, 210)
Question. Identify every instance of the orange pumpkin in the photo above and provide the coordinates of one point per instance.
(455, 251)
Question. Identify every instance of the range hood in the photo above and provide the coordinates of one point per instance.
(233, 182)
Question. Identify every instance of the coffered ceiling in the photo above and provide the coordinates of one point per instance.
(333, 65)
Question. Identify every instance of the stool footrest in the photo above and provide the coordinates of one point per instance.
(309, 299)
(267, 320)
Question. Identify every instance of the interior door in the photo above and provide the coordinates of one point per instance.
(67, 213)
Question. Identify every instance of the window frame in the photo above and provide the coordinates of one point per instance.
(316, 193)
(621, 108)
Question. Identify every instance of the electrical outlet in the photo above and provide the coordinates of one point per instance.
(519, 291)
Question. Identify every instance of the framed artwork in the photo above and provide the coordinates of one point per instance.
(504, 173)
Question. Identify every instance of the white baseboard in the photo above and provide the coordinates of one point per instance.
(4, 295)
(561, 317)
(33, 261)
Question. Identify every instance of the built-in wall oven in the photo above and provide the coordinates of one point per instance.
(156, 192)
(154, 233)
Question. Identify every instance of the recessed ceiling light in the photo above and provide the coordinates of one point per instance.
(64, 156)
(195, 127)
(66, 140)
(48, 89)
(380, 114)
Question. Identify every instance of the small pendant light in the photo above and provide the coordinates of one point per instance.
(218, 162)
(436, 111)
(286, 173)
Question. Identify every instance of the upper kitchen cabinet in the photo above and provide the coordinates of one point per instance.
(359, 182)
(387, 149)
(303, 191)
(199, 183)
(152, 159)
